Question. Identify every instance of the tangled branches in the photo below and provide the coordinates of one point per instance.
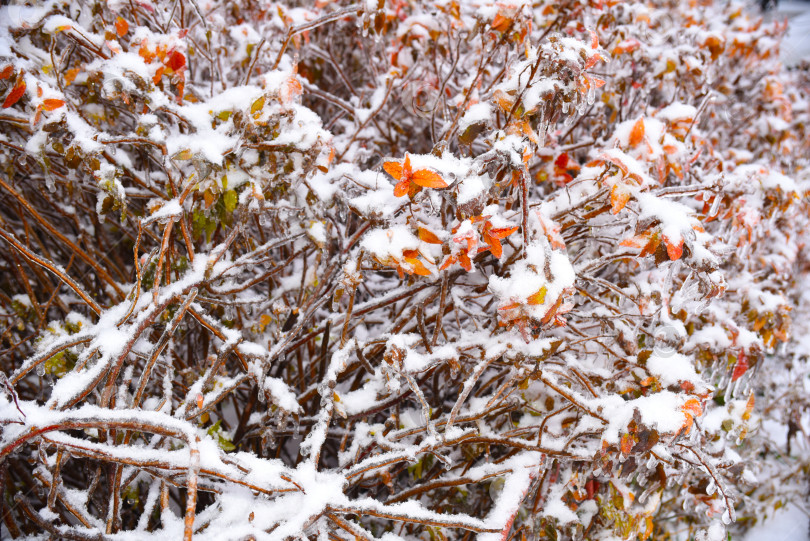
(396, 269)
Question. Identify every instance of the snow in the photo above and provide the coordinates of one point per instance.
(424, 363)
(477, 114)
(789, 523)
(677, 111)
(672, 369)
(390, 242)
(796, 46)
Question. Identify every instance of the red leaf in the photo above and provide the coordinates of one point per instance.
(176, 61)
(740, 368)
(6, 72)
(15, 94)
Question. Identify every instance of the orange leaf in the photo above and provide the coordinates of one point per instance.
(597, 82)
(592, 60)
(749, 407)
(70, 75)
(418, 267)
(639, 241)
(674, 249)
(6, 72)
(402, 187)
(501, 23)
(503, 100)
(15, 94)
(594, 39)
(158, 75)
(464, 259)
(539, 297)
(637, 133)
(50, 104)
(617, 162)
(428, 179)
(692, 407)
(428, 236)
(121, 27)
(494, 246)
(394, 169)
(648, 530)
(619, 196)
(627, 443)
(552, 311)
(502, 232)
(210, 198)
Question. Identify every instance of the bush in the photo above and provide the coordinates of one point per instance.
(400, 270)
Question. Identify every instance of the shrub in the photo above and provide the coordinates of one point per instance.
(400, 270)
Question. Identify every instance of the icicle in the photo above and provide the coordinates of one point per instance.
(569, 120)
(715, 206)
(591, 94)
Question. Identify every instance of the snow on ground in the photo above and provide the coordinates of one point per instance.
(797, 44)
(787, 524)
